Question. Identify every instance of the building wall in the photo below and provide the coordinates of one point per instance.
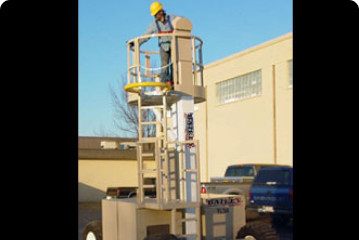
(284, 115)
(96, 175)
(252, 130)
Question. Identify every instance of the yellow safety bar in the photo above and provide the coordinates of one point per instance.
(135, 87)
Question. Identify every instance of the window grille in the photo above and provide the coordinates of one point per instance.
(245, 86)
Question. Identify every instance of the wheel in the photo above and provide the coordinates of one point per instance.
(280, 221)
(257, 231)
(93, 231)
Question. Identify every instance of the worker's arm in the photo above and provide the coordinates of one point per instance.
(150, 30)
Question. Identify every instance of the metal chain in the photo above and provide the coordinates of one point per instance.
(159, 68)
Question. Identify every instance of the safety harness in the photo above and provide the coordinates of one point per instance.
(169, 24)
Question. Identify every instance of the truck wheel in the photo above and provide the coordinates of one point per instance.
(257, 231)
(93, 231)
(280, 221)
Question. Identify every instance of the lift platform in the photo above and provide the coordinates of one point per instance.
(187, 67)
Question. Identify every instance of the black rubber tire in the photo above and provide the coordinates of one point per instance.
(161, 237)
(259, 230)
(280, 221)
(95, 227)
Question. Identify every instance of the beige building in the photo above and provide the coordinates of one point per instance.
(247, 118)
(248, 115)
(101, 164)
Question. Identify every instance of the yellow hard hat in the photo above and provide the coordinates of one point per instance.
(155, 7)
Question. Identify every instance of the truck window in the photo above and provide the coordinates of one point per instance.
(273, 177)
(236, 171)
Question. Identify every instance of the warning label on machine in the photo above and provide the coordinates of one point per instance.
(223, 202)
(189, 128)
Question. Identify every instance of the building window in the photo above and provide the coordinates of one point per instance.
(290, 73)
(245, 86)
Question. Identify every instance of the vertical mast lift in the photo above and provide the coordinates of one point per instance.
(177, 160)
(178, 209)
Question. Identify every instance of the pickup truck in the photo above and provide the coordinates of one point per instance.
(237, 180)
(272, 192)
(129, 192)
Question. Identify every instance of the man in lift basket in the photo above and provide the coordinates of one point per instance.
(161, 24)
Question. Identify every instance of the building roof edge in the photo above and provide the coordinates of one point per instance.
(252, 49)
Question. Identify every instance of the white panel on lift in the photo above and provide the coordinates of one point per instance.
(124, 220)
(147, 218)
(184, 107)
(109, 220)
(127, 223)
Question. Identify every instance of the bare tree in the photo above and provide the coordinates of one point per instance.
(101, 132)
(126, 116)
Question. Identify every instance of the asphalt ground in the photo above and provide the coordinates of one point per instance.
(88, 212)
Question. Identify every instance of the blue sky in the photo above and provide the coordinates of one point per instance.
(226, 27)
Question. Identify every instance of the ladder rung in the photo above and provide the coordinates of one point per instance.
(148, 170)
(151, 107)
(151, 123)
(148, 186)
(186, 219)
(187, 235)
(148, 154)
(150, 139)
(190, 170)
